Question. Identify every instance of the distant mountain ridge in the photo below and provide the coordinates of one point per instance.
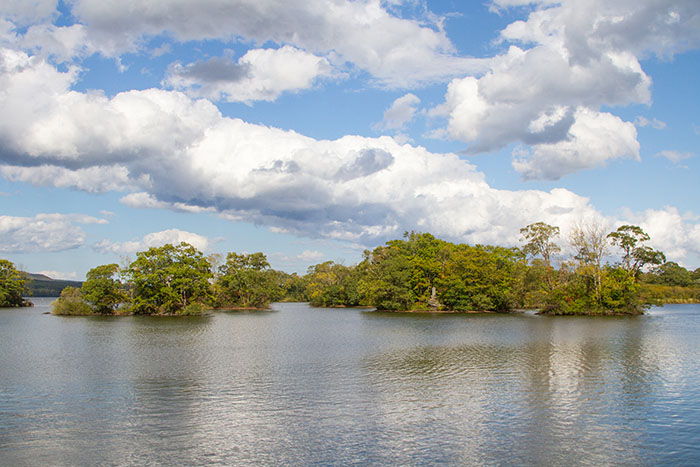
(41, 285)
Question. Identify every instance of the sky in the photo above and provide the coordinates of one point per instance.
(312, 130)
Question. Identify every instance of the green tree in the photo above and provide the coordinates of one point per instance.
(331, 284)
(169, 279)
(670, 273)
(385, 283)
(590, 245)
(293, 287)
(12, 286)
(630, 239)
(478, 278)
(247, 281)
(101, 289)
(428, 257)
(71, 302)
(539, 238)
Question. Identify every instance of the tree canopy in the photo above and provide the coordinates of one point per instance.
(417, 272)
(12, 286)
(102, 290)
(539, 240)
(630, 239)
(168, 279)
(247, 281)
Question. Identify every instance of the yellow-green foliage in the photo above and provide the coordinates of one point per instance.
(659, 294)
(71, 302)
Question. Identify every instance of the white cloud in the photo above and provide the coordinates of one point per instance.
(594, 139)
(677, 235)
(143, 200)
(43, 232)
(400, 113)
(675, 156)
(260, 74)
(69, 276)
(181, 153)
(566, 61)
(91, 179)
(395, 51)
(24, 12)
(155, 239)
(587, 28)
(62, 43)
(654, 123)
(310, 256)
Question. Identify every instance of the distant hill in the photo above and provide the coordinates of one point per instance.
(43, 286)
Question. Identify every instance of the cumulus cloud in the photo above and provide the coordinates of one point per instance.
(676, 234)
(400, 113)
(395, 51)
(181, 153)
(260, 74)
(43, 232)
(155, 239)
(176, 152)
(566, 61)
(594, 138)
(91, 179)
(61, 43)
(24, 13)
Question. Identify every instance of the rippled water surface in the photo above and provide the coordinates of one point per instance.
(305, 386)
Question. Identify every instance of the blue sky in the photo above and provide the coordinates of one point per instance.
(312, 130)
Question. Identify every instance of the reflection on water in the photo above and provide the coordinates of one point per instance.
(307, 386)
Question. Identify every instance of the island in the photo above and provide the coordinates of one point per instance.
(418, 273)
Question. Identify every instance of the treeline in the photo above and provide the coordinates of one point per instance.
(671, 283)
(178, 280)
(417, 272)
(421, 272)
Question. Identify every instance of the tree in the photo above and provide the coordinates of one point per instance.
(247, 281)
(478, 278)
(331, 284)
(629, 238)
(671, 274)
(168, 279)
(12, 286)
(71, 302)
(590, 245)
(386, 279)
(101, 290)
(540, 241)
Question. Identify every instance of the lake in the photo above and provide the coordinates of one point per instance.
(308, 386)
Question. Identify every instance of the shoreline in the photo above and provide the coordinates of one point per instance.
(448, 312)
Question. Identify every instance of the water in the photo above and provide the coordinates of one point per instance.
(305, 386)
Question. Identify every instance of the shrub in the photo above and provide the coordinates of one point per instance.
(71, 302)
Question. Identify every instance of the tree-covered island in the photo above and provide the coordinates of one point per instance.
(416, 273)
(13, 286)
(176, 280)
(423, 273)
